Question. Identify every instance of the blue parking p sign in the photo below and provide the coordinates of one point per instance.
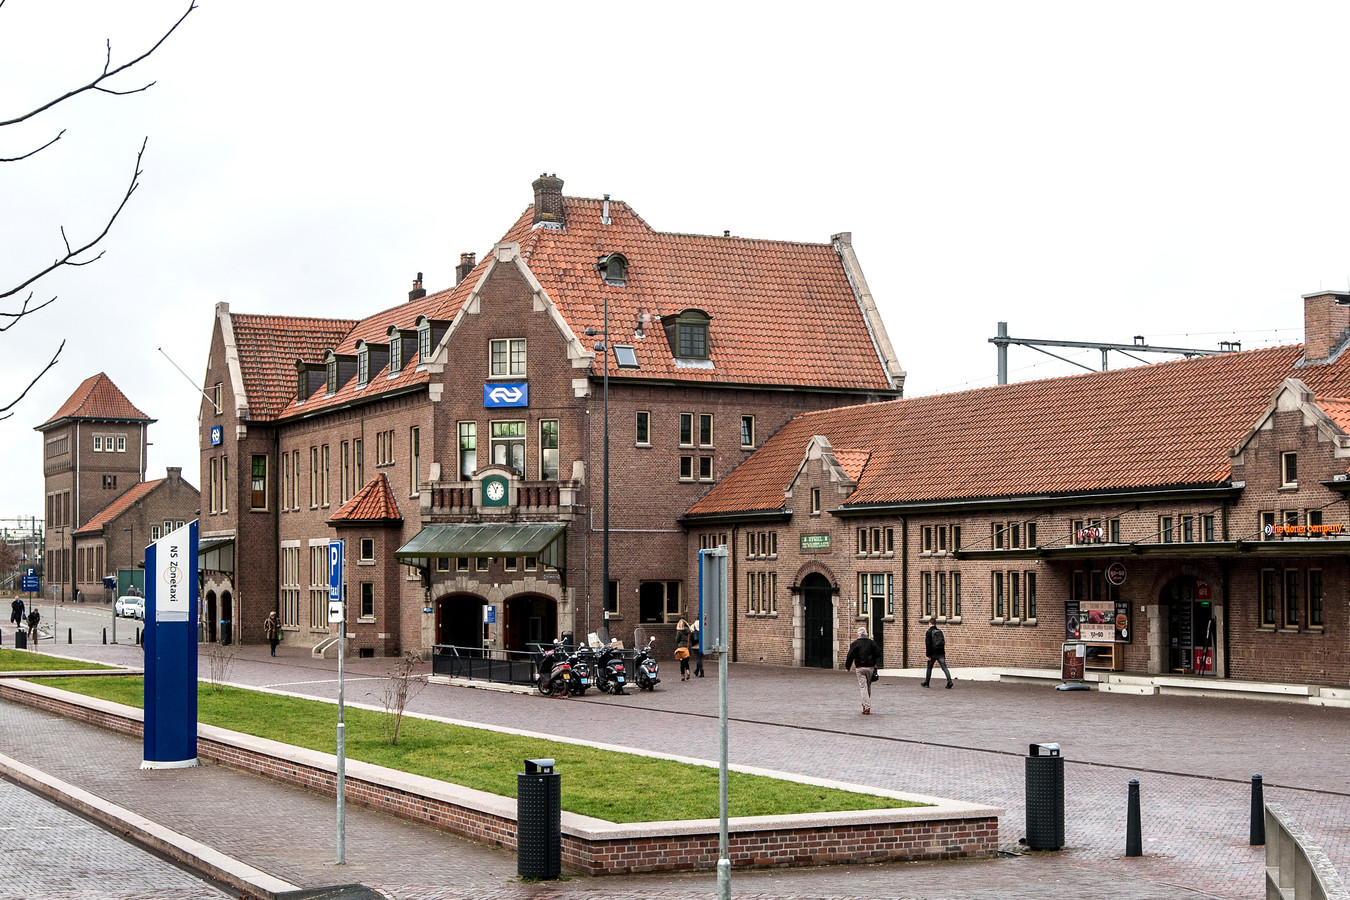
(335, 581)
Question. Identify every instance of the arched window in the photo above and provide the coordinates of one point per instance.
(614, 268)
(332, 373)
(688, 334)
(395, 351)
(423, 340)
(362, 363)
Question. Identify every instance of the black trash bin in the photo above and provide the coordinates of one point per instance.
(226, 629)
(20, 639)
(538, 820)
(1045, 797)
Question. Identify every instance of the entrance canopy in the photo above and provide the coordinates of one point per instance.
(546, 542)
(216, 554)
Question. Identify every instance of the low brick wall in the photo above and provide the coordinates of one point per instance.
(946, 830)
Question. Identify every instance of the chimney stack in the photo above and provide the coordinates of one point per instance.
(417, 292)
(1326, 324)
(175, 473)
(548, 201)
(466, 264)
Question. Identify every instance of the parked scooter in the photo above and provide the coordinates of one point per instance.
(555, 672)
(645, 668)
(610, 674)
(582, 661)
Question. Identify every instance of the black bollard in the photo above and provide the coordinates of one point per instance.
(105, 635)
(70, 635)
(1258, 837)
(1133, 843)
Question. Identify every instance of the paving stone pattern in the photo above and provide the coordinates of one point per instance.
(1193, 758)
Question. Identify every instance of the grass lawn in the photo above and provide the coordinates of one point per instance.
(26, 661)
(617, 787)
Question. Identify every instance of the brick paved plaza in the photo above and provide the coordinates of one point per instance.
(1193, 757)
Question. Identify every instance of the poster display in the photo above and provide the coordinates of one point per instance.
(1103, 621)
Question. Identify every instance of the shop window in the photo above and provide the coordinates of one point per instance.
(1313, 518)
(658, 601)
(1289, 470)
(1291, 580)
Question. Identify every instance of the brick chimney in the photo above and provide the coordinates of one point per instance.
(417, 292)
(466, 264)
(175, 473)
(548, 201)
(1326, 324)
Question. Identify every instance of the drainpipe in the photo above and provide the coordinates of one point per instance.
(732, 598)
(904, 593)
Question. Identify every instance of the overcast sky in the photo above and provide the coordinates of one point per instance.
(1083, 171)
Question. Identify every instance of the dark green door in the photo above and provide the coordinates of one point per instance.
(818, 600)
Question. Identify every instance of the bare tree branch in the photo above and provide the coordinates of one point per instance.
(108, 72)
(69, 259)
(25, 311)
(4, 159)
(6, 409)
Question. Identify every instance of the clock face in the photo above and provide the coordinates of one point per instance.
(496, 490)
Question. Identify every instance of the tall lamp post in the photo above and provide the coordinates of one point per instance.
(602, 346)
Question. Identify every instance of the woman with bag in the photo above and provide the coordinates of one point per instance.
(682, 648)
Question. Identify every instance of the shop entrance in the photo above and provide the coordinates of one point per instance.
(459, 621)
(1191, 626)
(530, 619)
(226, 618)
(818, 610)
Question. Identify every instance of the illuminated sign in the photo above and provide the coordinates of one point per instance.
(1303, 530)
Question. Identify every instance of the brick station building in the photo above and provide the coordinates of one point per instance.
(1186, 517)
(456, 441)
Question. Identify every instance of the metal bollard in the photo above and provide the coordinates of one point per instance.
(105, 635)
(1134, 845)
(70, 635)
(1258, 830)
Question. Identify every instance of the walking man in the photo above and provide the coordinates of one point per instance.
(272, 630)
(935, 643)
(865, 652)
(16, 611)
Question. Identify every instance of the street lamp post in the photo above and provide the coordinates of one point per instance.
(603, 347)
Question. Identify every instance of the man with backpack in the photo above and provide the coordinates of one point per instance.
(935, 643)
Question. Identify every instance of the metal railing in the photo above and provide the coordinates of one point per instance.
(1296, 868)
(478, 664)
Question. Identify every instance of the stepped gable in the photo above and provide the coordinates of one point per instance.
(123, 503)
(768, 300)
(373, 503)
(268, 348)
(1164, 425)
(98, 399)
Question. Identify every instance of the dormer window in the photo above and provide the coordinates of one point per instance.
(688, 334)
(614, 269)
(423, 340)
(395, 351)
(362, 363)
(332, 365)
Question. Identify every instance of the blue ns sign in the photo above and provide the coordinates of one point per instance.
(509, 393)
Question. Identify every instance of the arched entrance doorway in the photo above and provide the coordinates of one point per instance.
(530, 619)
(209, 620)
(1192, 628)
(459, 621)
(818, 615)
(226, 617)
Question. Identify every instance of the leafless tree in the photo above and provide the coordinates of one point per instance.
(219, 657)
(14, 307)
(402, 685)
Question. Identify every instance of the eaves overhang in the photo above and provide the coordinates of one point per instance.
(1318, 546)
(1222, 491)
(354, 403)
(692, 520)
(598, 376)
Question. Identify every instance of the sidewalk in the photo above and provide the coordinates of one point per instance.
(1194, 757)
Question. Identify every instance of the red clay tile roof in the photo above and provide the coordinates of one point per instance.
(852, 462)
(117, 507)
(373, 503)
(268, 348)
(769, 300)
(1337, 409)
(99, 399)
(1164, 425)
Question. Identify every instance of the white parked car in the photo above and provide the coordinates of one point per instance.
(130, 606)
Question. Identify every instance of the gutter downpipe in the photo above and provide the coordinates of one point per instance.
(732, 599)
(904, 593)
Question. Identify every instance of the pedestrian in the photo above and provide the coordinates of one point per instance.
(682, 633)
(34, 617)
(865, 652)
(935, 644)
(16, 611)
(272, 630)
(696, 646)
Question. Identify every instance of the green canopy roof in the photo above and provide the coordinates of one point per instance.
(547, 542)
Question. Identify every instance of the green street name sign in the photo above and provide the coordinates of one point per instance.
(815, 542)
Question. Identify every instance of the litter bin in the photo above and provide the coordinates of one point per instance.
(226, 625)
(1045, 797)
(20, 639)
(538, 820)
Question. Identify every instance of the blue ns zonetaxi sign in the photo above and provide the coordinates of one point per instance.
(506, 393)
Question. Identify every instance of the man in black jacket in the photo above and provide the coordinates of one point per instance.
(935, 644)
(865, 652)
